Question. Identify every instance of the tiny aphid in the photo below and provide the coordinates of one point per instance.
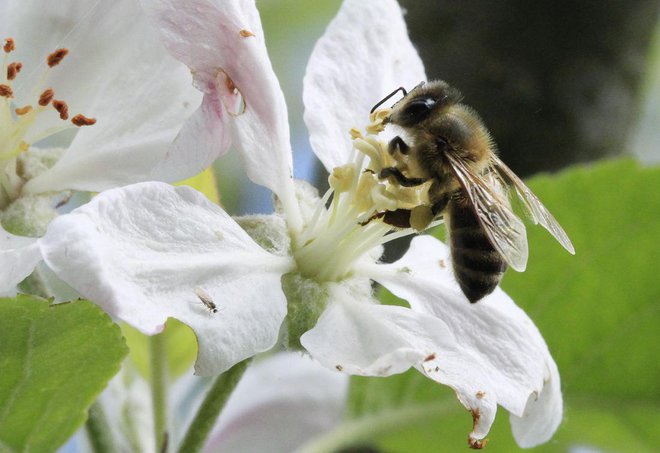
(206, 300)
(447, 143)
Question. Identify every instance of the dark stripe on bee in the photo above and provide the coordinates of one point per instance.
(480, 260)
(477, 265)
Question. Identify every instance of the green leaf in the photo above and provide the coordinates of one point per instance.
(54, 360)
(180, 346)
(598, 312)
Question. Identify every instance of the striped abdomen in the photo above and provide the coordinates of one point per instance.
(477, 265)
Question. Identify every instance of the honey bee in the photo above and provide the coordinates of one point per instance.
(448, 145)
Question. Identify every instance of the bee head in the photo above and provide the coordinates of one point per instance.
(425, 100)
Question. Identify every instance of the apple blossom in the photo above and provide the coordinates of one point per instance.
(89, 100)
(304, 275)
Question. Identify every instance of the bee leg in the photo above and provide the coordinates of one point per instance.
(440, 204)
(397, 144)
(400, 177)
(399, 218)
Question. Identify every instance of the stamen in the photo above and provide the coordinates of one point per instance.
(23, 110)
(13, 69)
(9, 45)
(62, 108)
(46, 97)
(81, 120)
(6, 91)
(56, 57)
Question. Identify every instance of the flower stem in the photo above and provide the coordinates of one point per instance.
(98, 430)
(213, 403)
(158, 378)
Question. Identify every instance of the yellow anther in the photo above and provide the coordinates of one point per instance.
(355, 133)
(342, 178)
(379, 115)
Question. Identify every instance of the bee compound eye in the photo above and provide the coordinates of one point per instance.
(418, 109)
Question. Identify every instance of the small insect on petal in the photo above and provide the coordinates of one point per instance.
(206, 299)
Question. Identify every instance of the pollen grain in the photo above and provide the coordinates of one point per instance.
(46, 97)
(81, 120)
(62, 108)
(9, 45)
(56, 57)
(13, 69)
(6, 91)
(23, 110)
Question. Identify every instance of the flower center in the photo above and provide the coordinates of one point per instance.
(17, 122)
(348, 222)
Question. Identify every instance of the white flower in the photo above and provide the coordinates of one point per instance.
(89, 100)
(146, 252)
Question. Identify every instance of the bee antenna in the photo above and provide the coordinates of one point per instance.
(402, 89)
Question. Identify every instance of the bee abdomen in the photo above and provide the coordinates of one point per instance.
(478, 267)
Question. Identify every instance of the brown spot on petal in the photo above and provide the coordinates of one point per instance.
(23, 110)
(477, 444)
(480, 394)
(232, 98)
(339, 367)
(9, 45)
(62, 108)
(6, 91)
(56, 57)
(442, 264)
(81, 120)
(429, 357)
(245, 33)
(46, 97)
(13, 69)
(473, 443)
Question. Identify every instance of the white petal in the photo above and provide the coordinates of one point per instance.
(18, 257)
(223, 44)
(501, 358)
(279, 404)
(542, 415)
(364, 54)
(118, 72)
(145, 251)
(358, 336)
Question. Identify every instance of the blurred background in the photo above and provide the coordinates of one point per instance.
(560, 84)
(556, 82)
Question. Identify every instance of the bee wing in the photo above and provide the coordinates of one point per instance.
(490, 202)
(535, 209)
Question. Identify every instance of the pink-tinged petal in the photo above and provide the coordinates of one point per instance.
(279, 404)
(18, 257)
(500, 357)
(151, 251)
(223, 44)
(119, 73)
(364, 55)
(358, 336)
